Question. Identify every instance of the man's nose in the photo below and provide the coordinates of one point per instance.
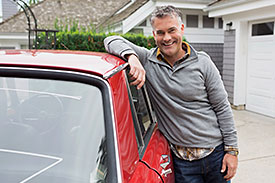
(167, 37)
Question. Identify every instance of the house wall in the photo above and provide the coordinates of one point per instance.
(14, 40)
(201, 34)
(9, 8)
(229, 63)
(214, 50)
(240, 16)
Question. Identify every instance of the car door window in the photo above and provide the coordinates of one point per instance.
(142, 114)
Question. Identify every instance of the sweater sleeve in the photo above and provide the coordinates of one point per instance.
(217, 96)
(121, 47)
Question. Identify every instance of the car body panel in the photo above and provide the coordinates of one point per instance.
(157, 153)
(144, 174)
(125, 129)
(66, 60)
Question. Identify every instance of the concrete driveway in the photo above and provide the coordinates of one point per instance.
(256, 135)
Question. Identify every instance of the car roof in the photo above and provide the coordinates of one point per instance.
(93, 62)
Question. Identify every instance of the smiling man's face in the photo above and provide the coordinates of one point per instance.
(168, 34)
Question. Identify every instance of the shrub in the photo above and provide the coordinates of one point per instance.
(87, 41)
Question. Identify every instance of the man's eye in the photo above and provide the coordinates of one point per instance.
(160, 33)
(172, 30)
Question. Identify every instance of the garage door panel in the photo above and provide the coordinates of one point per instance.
(262, 46)
(261, 101)
(262, 57)
(260, 95)
(262, 67)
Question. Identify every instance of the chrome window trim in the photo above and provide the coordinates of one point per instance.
(119, 175)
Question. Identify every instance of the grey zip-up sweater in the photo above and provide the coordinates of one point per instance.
(189, 98)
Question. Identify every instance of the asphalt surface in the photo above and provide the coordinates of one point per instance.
(256, 134)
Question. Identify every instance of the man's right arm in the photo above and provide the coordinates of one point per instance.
(134, 54)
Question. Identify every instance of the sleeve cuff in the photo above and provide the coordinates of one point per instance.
(230, 148)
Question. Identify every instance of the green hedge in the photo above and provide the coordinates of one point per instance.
(88, 41)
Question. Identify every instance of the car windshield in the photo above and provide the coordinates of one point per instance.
(51, 131)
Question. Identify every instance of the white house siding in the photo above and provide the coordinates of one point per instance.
(14, 40)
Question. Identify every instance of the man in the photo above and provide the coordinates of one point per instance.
(188, 97)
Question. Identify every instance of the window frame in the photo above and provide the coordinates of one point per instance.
(204, 23)
(220, 23)
(197, 26)
(258, 35)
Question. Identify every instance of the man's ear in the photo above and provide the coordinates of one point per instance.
(154, 34)
(182, 28)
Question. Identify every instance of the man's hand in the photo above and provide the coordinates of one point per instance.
(230, 162)
(137, 72)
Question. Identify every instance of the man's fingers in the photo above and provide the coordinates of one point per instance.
(231, 171)
(137, 72)
(229, 175)
(132, 71)
(139, 81)
(223, 167)
(231, 163)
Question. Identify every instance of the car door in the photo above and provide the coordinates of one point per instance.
(155, 164)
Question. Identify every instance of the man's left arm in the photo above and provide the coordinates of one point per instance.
(217, 96)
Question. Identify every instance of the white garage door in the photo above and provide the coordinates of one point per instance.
(260, 96)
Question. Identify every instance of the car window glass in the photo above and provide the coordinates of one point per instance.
(141, 107)
(51, 128)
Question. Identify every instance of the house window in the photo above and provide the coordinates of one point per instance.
(137, 31)
(262, 29)
(192, 20)
(220, 23)
(23, 46)
(143, 23)
(208, 22)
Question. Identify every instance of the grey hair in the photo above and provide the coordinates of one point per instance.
(163, 11)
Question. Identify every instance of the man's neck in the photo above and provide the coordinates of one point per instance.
(173, 59)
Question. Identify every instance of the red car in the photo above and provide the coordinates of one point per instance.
(68, 116)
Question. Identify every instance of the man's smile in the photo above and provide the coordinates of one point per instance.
(168, 44)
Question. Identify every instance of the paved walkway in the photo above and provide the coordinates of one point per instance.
(256, 135)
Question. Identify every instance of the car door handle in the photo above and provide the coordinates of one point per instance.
(165, 164)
